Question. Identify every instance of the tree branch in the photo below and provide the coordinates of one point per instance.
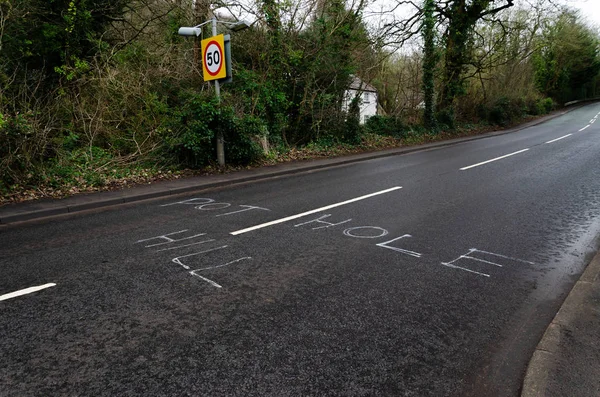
(509, 3)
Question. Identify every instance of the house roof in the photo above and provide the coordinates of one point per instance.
(358, 85)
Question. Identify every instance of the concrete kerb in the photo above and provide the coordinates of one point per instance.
(544, 359)
(129, 196)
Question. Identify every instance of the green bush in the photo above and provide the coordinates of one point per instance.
(538, 106)
(241, 143)
(353, 129)
(545, 105)
(76, 167)
(531, 106)
(191, 132)
(17, 145)
(446, 119)
(505, 111)
(386, 126)
(264, 99)
(329, 125)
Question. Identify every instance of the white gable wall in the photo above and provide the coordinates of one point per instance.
(368, 103)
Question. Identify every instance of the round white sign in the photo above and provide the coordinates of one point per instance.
(213, 58)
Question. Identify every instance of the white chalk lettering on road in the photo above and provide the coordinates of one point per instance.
(246, 208)
(386, 244)
(469, 257)
(354, 232)
(303, 214)
(192, 201)
(195, 272)
(25, 291)
(179, 258)
(186, 245)
(212, 206)
(186, 260)
(168, 240)
(208, 204)
(320, 220)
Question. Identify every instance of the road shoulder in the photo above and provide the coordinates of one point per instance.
(565, 361)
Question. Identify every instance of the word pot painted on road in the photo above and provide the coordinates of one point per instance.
(208, 204)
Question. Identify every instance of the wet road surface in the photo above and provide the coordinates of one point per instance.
(433, 273)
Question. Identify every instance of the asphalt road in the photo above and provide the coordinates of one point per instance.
(414, 275)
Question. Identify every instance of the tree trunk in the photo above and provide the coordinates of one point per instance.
(456, 42)
(429, 63)
(461, 21)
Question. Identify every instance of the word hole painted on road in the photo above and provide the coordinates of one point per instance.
(479, 256)
(467, 262)
(213, 58)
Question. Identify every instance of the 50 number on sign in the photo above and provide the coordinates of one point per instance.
(213, 58)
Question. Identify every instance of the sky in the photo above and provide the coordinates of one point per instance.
(590, 9)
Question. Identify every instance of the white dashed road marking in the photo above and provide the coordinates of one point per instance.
(558, 139)
(492, 160)
(25, 291)
(289, 218)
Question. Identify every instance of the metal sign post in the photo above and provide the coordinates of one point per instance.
(216, 63)
(220, 140)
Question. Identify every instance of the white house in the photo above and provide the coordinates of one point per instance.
(368, 98)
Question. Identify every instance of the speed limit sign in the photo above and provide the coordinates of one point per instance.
(213, 58)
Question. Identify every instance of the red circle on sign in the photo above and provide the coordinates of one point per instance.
(220, 55)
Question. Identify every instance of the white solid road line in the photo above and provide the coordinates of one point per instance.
(289, 218)
(558, 139)
(496, 159)
(25, 291)
(587, 126)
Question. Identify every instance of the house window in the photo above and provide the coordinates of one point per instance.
(366, 117)
(366, 97)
